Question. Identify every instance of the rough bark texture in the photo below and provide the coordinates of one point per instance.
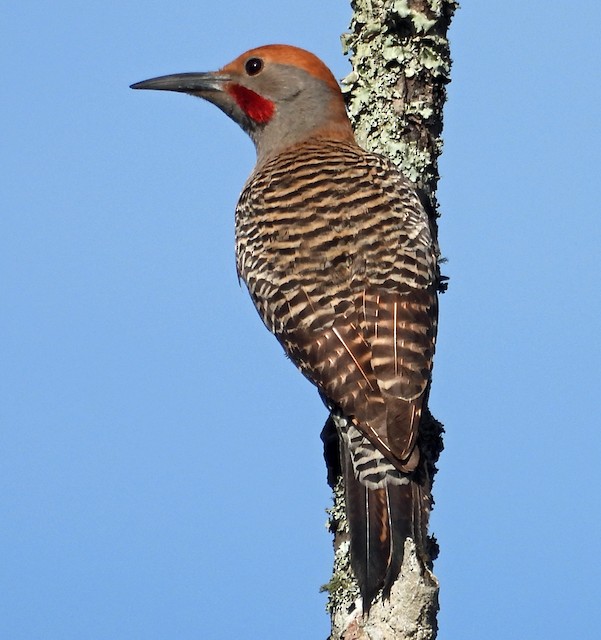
(395, 94)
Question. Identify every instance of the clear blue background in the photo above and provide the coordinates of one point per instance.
(161, 471)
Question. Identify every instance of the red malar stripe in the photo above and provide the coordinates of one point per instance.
(256, 107)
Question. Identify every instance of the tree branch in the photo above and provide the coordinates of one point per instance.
(395, 94)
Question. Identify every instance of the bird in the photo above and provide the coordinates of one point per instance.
(340, 259)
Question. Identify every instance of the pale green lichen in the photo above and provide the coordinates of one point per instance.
(392, 62)
(420, 21)
(342, 587)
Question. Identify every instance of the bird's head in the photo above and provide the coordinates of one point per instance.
(280, 95)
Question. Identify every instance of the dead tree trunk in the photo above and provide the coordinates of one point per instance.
(395, 94)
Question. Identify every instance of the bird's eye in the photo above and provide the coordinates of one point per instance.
(253, 66)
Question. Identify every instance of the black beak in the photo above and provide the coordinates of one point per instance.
(185, 82)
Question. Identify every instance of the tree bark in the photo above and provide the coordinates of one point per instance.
(395, 94)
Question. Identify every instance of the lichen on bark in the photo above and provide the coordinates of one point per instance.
(399, 52)
(395, 93)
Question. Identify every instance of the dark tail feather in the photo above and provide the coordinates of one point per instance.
(409, 513)
(369, 539)
(380, 520)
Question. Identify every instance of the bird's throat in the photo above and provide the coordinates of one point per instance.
(255, 106)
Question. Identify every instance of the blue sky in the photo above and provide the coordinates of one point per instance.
(160, 463)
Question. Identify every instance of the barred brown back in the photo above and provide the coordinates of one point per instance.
(336, 251)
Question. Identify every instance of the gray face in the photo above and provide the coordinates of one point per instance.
(303, 104)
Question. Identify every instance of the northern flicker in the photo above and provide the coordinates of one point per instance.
(337, 253)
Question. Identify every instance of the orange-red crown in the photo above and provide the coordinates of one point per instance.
(285, 54)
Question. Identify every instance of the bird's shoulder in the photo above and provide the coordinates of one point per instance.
(336, 173)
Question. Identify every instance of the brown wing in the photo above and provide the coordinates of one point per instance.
(402, 329)
(373, 362)
(335, 248)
